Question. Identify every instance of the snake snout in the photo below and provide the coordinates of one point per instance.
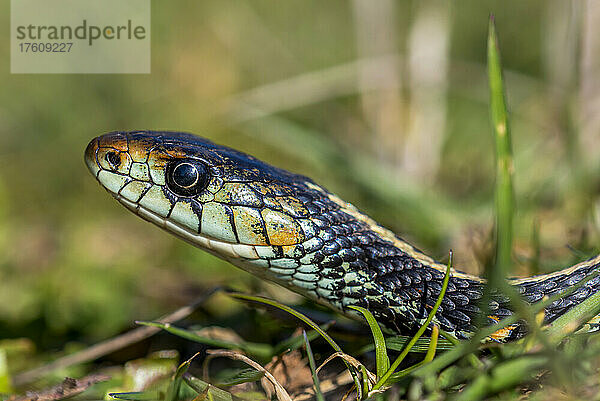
(105, 151)
(90, 156)
(108, 159)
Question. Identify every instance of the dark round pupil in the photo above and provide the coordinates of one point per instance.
(185, 175)
(113, 159)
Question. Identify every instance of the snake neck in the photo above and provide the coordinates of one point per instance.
(350, 260)
(353, 261)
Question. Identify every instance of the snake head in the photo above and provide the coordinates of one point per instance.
(217, 198)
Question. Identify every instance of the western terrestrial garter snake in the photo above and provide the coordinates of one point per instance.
(285, 228)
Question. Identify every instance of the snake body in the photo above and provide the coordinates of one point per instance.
(286, 228)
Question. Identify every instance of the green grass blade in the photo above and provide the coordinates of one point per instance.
(136, 396)
(574, 318)
(422, 345)
(366, 387)
(201, 387)
(381, 356)
(473, 360)
(173, 390)
(503, 376)
(435, 332)
(428, 357)
(313, 368)
(240, 376)
(397, 343)
(384, 379)
(504, 160)
(504, 197)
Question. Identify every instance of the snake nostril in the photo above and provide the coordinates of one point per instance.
(113, 159)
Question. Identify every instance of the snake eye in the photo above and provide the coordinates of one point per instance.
(113, 159)
(186, 177)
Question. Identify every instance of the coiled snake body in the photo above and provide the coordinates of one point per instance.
(287, 229)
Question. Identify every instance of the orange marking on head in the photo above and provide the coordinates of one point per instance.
(281, 228)
(138, 154)
(113, 142)
(176, 153)
(286, 236)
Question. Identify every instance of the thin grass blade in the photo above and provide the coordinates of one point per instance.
(201, 387)
(504, 168)
(435, 332)
(574, 318)
(173, 390)
(381, 356)
(313, 368)
(136, 396)
(241, 376)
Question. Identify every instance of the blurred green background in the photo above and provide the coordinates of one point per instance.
(385, 103)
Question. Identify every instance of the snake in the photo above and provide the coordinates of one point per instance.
(285, 228)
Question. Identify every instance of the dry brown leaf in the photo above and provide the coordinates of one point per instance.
(292, 371)
(282, 394)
